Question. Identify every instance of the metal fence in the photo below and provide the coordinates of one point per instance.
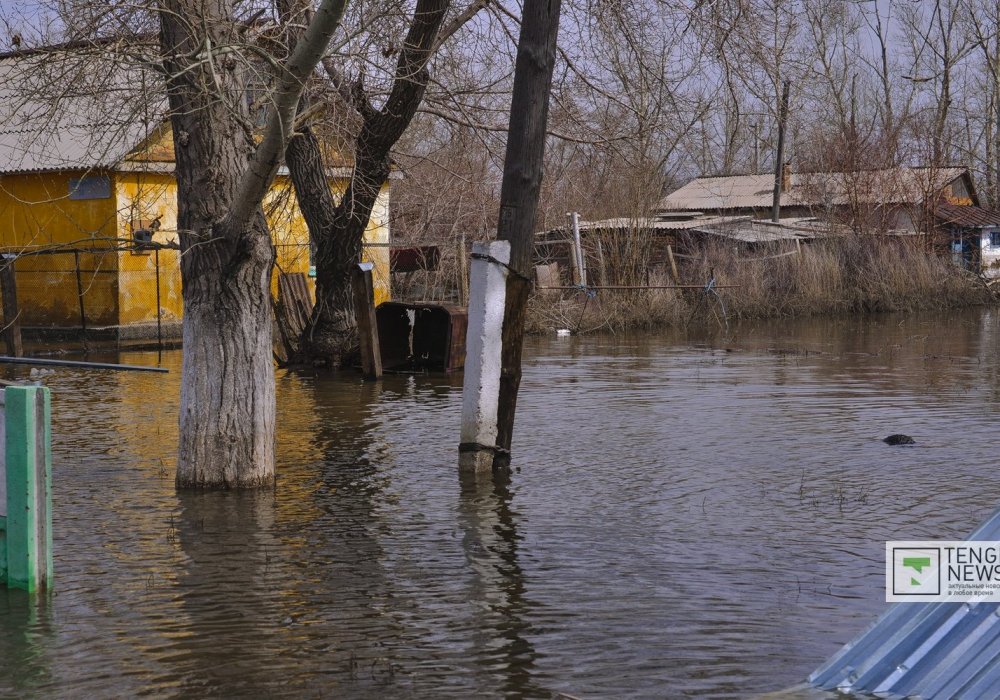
(123, 293)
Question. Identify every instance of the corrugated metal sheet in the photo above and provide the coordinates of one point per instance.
(737, 228)
(904, 185)
(967, 216)
(759, 231)
(933, 651)
(74, 109)
(627, 224)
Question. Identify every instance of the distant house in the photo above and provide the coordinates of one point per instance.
(888, 199)
(974, 236)
(88, 198)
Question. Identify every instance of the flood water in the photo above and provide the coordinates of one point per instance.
(691, 517)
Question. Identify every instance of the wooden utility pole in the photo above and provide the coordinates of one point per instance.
(522, 180)
(779, 158)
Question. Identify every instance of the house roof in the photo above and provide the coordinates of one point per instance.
(74, 108)
(744, 229)
(902, 185)
(93, 106)
(967, 216)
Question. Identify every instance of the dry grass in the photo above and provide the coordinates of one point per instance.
(855, 274)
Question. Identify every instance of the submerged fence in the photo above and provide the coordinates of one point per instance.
(128, 292)
(88, 290)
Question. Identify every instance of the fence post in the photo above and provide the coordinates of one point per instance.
(364, 314)
(463, 273)
(673, 265)
(159, 322)
(481, 382)
(581, 258)
(79, 293)
(28, 484)
(600, 262)
(11, 314)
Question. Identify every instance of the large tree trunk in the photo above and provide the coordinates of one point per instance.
(337, 230)
(227, 407)
(227, 378)
(333, 254)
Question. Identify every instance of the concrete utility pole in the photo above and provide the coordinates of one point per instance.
(481, 381)
(522, 180)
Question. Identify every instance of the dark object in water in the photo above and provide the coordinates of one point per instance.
(899, 439)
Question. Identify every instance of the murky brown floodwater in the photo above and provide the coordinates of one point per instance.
(691, 518)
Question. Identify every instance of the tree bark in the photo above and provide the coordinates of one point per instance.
(227, 407)
(519, 192)
(338, 231)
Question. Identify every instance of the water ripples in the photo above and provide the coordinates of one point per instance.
(690, 518)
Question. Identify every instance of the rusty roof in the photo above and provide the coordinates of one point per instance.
(902, 185)
(626, 224)
(967, 216)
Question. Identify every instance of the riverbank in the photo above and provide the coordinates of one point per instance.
(849, 275)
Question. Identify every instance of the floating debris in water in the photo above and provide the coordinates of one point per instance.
(563, 332)
(36, 373)
(899, 439)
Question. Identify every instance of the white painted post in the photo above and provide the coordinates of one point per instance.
(481, 383)
(581, 260)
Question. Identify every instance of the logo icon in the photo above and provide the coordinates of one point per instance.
(916, 571)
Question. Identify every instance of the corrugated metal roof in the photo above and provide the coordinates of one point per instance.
(933, 651)
(904, 185)
(966, 216)
(761, 231)
(630, 224)
(75, 109)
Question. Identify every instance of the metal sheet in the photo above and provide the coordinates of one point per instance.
(926, 650)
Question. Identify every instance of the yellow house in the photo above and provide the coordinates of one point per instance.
(88, 200)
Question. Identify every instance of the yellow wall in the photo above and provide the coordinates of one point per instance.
(142, 198)
(291, 235)
(119, 287)
(289, 230)
(37, 213)
(377, 250)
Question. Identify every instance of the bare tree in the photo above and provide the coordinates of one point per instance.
(337, 229)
